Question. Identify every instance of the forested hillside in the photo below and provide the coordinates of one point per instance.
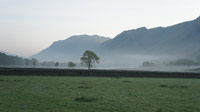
(8, 60)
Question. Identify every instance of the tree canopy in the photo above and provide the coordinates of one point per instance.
(89, 58)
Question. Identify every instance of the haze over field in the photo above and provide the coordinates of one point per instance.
(131, 48)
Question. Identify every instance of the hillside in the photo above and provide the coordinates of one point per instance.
(131, 47)
(10, 60)
(70, 49)
(179, 39)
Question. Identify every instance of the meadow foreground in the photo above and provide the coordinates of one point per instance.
(98, 94)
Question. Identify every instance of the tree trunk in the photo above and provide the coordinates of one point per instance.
(89, 66)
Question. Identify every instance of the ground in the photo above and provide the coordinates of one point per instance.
(95, 94)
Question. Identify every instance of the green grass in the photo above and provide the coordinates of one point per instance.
(94, 94)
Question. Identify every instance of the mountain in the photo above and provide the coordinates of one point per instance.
(131, 47)
(70, 49)
(180, 39)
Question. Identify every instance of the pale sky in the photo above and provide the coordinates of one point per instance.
(28, 26)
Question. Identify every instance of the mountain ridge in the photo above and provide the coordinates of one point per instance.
(141, 39)
(70, 48)
(181, 39)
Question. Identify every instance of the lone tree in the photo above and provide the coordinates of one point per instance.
(89, 58)
(57, 64)
(71, 64)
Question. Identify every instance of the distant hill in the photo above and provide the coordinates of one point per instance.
(131, 47)
(7, 53)
(70, 49)
(180, 39)
(10, 60)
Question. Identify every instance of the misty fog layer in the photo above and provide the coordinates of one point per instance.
(133, 48)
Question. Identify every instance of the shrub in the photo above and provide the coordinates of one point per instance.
(147, 64)
(71, 64)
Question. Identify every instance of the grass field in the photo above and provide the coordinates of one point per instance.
(95, 94)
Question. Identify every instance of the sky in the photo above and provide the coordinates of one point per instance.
(29, 26)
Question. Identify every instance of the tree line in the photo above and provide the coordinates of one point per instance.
(88, 59)
(8, 60)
